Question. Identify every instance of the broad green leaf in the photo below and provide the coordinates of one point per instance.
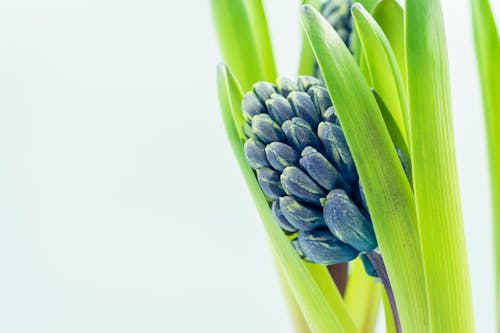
(306, 283)
(390, 17)
(435, 178)
(244, 40)
(362, 297)
(382, 65)
(390, 198)
(263, 40)
(488, 56)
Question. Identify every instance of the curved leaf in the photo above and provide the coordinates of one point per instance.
(435, 177)
(244, 40)
(390, 17)
(383, 67)
(390, 198)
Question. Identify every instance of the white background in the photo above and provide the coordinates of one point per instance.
(121, 206)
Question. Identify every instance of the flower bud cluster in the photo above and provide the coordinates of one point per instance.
(304, 166)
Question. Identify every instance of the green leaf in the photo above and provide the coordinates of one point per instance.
(394, 131)
(435, 177)
(307, 282)
(390, 16)
(390, 198)
(488, 56)
(244, 39)
(263, 40)
(362, 297)
(382, 65)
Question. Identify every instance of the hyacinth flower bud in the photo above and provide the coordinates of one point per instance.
(297, 183)
(279, 109)
(255, 153)
(300, 134)
(305, 82)
(321, 170)
(300, 252)
(336, 147)
(269, 181)
(330, 115)
(301, 215)
(251, 106)
(286, 86)
(266, 129)
(304, 107)
(347, 223)
(321, 247)
(280, 218)
(264, 90)
(280, 155)
(320, 98)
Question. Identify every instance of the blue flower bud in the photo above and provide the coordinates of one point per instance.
(297, 183)
(320, 98)
(251, 106)
(266, 129)
(321, 247)
(296, 245)
(347, 223)
(329, 8)
(280, 218)
(305, 82)
(337, 150)
(281, 155)
(286, 86)
(300, 134)
(279, 109)
(369, 269)
(304, 108)
(269, 181)
(264, 90)
(302, 216)
(255, 153)
(330, 115)
(321, 170)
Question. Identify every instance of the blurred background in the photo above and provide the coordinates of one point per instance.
(121, 206)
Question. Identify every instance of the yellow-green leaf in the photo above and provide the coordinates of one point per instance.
(389, 195)
(435, 179)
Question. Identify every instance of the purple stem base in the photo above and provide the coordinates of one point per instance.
(378, 263)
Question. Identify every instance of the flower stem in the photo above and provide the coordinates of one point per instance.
(378, 263)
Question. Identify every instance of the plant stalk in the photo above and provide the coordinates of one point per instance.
(378, 263)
